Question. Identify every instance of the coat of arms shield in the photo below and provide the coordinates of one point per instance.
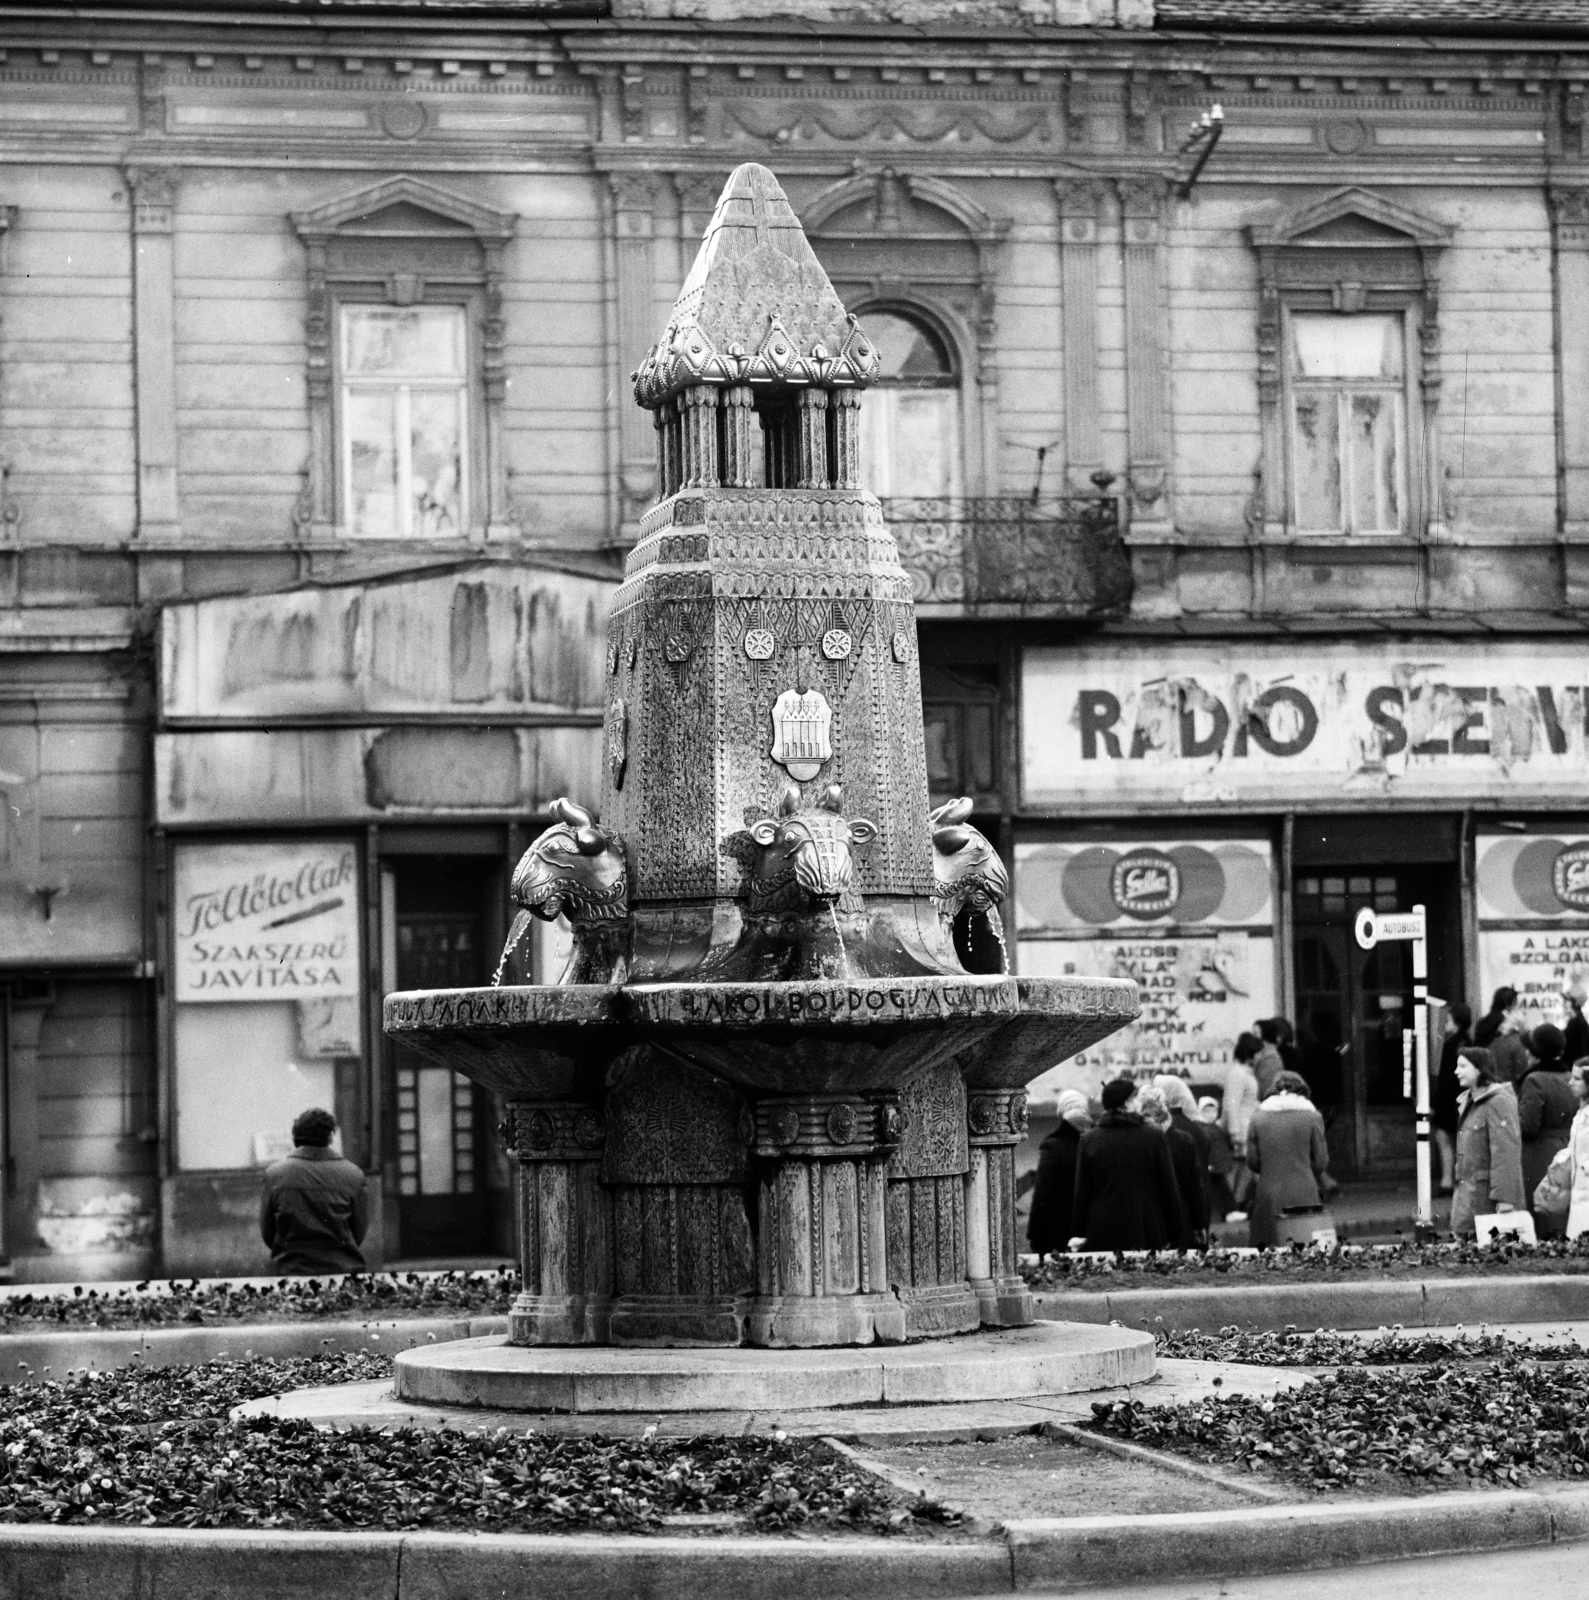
(801, 727)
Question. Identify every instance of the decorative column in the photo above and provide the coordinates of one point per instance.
(565, 1225)
(1569, 210)
(153, 192)
(821, 1255)
(996, 1124)
(634, 201)
(494, 375)
(698, 410)
(928, 1223)
(1078, 271)
(812, 465)
(845, 409)
(742, 453)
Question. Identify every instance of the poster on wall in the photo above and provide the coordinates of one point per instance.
(1533, 905)
(1192, 922)
(277, 921)
(1381, 721)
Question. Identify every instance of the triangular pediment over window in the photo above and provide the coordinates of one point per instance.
(1352, 219)
(404, 208)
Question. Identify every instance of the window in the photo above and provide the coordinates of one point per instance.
(910, 418)
(404, 374)
(1348, 422)
(960, 721)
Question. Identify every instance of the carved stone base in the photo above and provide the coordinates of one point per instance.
(673, 1319)
(782, 1322)
(1005, 1302)
(542, 1319)
(941, 1308)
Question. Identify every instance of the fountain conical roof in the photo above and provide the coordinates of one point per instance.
(757, 306)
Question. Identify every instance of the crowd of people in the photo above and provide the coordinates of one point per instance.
(1148, 1166)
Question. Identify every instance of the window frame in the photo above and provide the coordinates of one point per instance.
(348, 297)
(1405, 389)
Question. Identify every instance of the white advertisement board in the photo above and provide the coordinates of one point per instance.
(1185, 722)
(1533, 905)
(276, 921)
(1192, 922)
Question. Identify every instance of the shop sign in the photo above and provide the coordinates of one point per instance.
(1533, 906)
(276, 921)
(1190, 921)
(1191, 723)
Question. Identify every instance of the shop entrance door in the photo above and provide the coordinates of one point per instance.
(441, 1118)
(1353, 1004)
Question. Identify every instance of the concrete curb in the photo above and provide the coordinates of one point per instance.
(26, 1357)
(1414, 1303)
(75, 1563)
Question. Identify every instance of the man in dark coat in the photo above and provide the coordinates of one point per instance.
(314, 1213)
(1546, 1107)
(1049, 1227)
(1126, 1194)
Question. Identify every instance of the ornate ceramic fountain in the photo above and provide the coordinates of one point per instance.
(776, 1097)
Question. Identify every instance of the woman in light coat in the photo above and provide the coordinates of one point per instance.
(1287, 1151)
(1577, 1152)
(1489, 1143)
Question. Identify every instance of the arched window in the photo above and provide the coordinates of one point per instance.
(910, 418)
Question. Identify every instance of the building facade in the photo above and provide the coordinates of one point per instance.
(1244, 481)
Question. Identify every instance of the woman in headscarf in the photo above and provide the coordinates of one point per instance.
(1489, 1143)
(1190, 1175)
(1049, 1227)
(1287, 1151)
(1184, 1115)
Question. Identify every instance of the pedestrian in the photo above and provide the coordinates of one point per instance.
(1578, 1151)
(313, 1213)
(1485, 1030)
(1221, 1161)
(1126, 1195)
(1287, 1152)
(1241, 1100)
(1049, 1227)
(1268, 1064)
(1279, 1032)
(1191, 1181)
(1458, 1025)
(1546, 1107)
(1576, 1027)
(1489, 1143)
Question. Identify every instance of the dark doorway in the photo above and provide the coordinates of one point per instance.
(1352, 1004)
(439, 1121)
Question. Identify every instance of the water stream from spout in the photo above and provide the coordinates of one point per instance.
(996, 922)
(521, 924)
(838, 933)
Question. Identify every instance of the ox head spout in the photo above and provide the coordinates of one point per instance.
(806, 855)
(576, 866)
(971, 884)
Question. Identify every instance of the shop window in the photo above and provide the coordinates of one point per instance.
(404, 408)
(960, 707)
(910, 419)
(1348, 422)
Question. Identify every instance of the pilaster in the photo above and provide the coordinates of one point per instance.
(1570, 239)
(634, 224)
(153, 195)
(1142, 237)
(1078, 267)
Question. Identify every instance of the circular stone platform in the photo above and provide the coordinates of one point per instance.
(1044, 1359)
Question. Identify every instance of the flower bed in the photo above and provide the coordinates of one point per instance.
(1441, 1426)
(1305, 1264)
(1324, 1348)
(156, 1447)
(362, 1296)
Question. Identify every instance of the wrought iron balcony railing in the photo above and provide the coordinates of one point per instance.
(1061, 556)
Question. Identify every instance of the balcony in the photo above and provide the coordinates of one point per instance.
(1010, 555)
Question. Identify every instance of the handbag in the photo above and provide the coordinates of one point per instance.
(1553, 1192)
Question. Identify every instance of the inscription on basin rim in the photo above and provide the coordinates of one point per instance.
(837, 1001)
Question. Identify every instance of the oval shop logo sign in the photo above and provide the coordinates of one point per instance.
(1145, 884)
(1569, 876)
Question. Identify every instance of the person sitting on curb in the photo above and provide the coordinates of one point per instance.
(1489, 1143)
(314, 1212)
